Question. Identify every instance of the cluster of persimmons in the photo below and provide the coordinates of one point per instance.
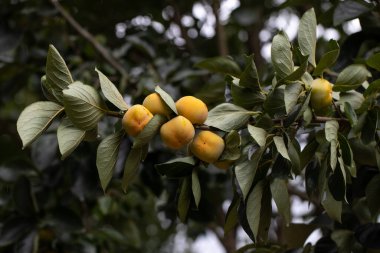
(179, 131)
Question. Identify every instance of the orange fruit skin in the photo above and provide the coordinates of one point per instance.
(193, 109)
(135, 119)
(156, 105)
(207, 146)
(177, 132)
(321, 95)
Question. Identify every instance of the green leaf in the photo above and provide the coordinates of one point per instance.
(337, 182)
(299, 110)
(228, 117)
(48, 91)
(254, 207)
(281, 147)
(281, 55)
(35, 119)
(344, 239)
(232, 215)
(372, 192)
(167, 98)
(131, 166)
(350, 114)
(307, 116)
(308, 152)
(299, 71)
(331, 130)
(371, 127)
(274, 104)
(220, 64)
(373, 88)
(250, 78)
(322, 178)
(195, 187)
(110, 92)
(245, 172)
(328, 59)
(374, 61)
(179, 167)
(69, 137)
(232, 146)
(349, 9)
(280, 195)
(150, 130)
(333, 154)
(83, 105)
(294, 155)
(353, 97)
(356, 129)
(351, 77)
(58, 76)
(333, 208)
(265, 215)
(246, 97)
(184, 199)
(307, 35)
(347, 154)
(307, 79)
(258, 134)
(106, 157)
(291, 94)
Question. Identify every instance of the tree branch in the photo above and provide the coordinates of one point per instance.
(104, 52)
(220, 32)
(319, 119)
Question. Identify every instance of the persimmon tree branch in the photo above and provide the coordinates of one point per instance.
(104, 52)
(220, 32)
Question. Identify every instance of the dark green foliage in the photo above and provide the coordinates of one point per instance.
(261, 108)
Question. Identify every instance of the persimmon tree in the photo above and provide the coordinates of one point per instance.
(274, 132)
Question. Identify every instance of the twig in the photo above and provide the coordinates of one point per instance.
(114, 114)
(202, 127)
(220, 33)
(320, 119)
(90, 38)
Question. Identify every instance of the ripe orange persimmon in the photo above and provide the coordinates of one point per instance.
(193, 109)
(177, 132)
(207, 146)
(156, 105)
(135, 119)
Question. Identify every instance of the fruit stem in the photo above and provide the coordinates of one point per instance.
(115, 114)
(331, 73)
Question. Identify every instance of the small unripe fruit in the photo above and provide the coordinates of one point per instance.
(135, 119)
(156, 105)
(321, 95)
(193, 109)
(207, 146)
(177, 132)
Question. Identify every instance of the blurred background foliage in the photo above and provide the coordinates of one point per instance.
(49, 205)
